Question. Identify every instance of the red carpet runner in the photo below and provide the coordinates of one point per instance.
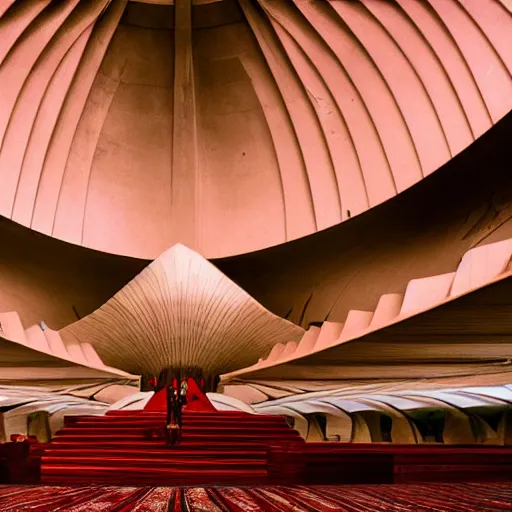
(217, 448)
(197, 401)
(359, 498)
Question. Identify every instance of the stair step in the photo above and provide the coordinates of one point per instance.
(190, 415)
(79, 468)
(175, 451)
(159, 443)
(69, 474)
(205, 439)
(192, 423)
(204, 414)
(156, 480)
(201, 422)
(171, 461)
(111, 430)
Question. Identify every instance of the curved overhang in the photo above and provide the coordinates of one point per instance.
(465, 335)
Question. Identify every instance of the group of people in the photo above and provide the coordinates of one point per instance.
(176, 400)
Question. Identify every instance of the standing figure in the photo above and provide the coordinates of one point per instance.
(182, 401)
(173, 423)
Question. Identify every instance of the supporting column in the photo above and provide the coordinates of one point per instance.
(185, 160)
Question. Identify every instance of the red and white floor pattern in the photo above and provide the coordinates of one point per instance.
(356, 498)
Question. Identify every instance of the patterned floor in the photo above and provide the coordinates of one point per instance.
(357, 498)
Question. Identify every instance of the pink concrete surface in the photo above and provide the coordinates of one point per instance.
(289, 349)
(29, 102)
(404, 83)
(349, 80)
(451, 123)
(356, 322)
(329, 334)
(10, 32)
(387, 309)
(485, 62)
(36, 338)
(426, 292)
(42, 130)
(53, 173)
(12, 327)
(481, 265)
(308, 341)
(235, 125)
(4, 5)
(130, 151)
(453, 62)
(276, 353)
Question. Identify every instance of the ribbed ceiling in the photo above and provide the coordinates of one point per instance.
(251, 124)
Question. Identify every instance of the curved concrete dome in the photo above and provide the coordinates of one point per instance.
(234, 125)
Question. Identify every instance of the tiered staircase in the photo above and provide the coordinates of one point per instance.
(217, 448)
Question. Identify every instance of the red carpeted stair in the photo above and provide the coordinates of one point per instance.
(217, 448)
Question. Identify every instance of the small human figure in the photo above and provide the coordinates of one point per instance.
(173, 423)
(182, 401)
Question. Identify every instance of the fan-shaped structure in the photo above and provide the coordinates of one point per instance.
(261, 121)
(181, 311)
